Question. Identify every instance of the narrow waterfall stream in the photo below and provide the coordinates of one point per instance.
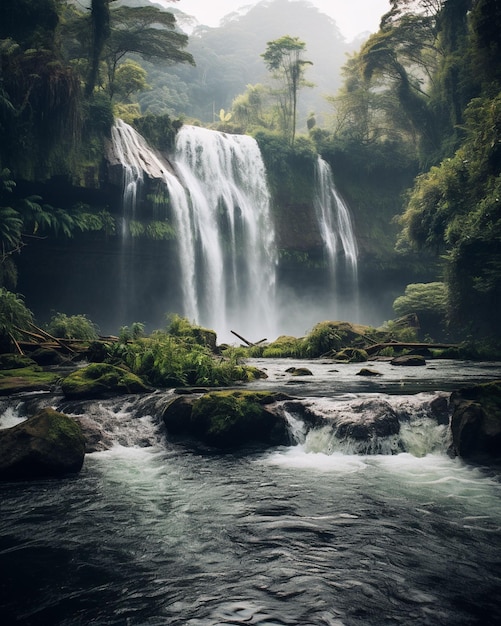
(340, 244)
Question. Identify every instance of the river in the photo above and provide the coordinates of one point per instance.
(156, 532)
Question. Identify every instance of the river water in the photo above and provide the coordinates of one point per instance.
(155, 532)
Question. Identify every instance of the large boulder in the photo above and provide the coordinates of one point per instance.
(99, 380)
(228, 419)
(476, 423)
(49, 444)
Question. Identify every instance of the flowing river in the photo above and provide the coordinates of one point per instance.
(155, 532)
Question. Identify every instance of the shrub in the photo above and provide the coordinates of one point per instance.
(13, 315)
(72, 327)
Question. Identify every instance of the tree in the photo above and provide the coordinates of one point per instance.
(283, 57)
(120, 30)
(130, 78)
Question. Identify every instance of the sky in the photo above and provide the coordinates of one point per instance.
(352, 16)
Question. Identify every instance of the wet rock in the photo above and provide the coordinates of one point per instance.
(409, 360)
(299, 371)
(367, 419)
(49, 444)
(439, 409)
(476, 423)
(47, 357)
(99, 380)
(365, 371)
(228, 419)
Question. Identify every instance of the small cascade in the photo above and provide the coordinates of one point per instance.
(384, 425)
(339, 239)
(227, 241)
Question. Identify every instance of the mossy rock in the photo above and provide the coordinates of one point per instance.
(299, 371)
(26, 379)
(476, 423)
(228, 419)
(15, 362)
(332, 337)
(351, 355)
(49, 444)
(99, 380)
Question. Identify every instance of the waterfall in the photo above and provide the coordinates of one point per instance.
(219, 205)
(226, 234)
(220, 208)
(339, 240)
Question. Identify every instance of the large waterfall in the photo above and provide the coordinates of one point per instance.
(219, 205)
(339, 240)
(226, 233)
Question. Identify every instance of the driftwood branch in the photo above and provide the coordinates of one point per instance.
(249, 343)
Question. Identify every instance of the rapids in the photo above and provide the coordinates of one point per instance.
(152, 532)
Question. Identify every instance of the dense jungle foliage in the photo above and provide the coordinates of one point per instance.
(413, 132)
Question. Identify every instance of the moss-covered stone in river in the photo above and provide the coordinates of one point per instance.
(228, 419)
(100, 379)
(235, 418)
(47, 444)
(26, 379)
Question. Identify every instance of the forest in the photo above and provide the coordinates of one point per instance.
(410, 122)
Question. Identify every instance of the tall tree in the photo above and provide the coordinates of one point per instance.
(284, 58)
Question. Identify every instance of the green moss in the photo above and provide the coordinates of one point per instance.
(229, 418)
(99, 379)
(26, 379)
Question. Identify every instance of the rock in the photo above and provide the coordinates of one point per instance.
(99, 380)
(367, 419)
(439, 408)
(228, 419)
(47, 356)
(408, 360)
(476, 423)
(299, 371)
(49, 444)
(351, 355)
(15, 362)
(365, 371)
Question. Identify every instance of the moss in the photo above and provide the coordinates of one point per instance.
(234, 418)
(26, 379)
(100, 379)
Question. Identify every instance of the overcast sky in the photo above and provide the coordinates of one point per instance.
(352, 16)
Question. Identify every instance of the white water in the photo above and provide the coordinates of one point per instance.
(227, 237)
(339, 239)
(155, 532)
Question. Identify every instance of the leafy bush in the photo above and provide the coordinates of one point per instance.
(428, 301)
(13, 315)
(72, 327)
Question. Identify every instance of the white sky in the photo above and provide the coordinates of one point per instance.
(352, 16)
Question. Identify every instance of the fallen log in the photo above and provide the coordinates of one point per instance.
(408, 345)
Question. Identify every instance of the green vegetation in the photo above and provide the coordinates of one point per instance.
(283, 57)
(428, 302)
(72, 327)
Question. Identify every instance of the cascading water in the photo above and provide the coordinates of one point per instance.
(226, 232)
(221, 211)
(227, 255)
(340, 244)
